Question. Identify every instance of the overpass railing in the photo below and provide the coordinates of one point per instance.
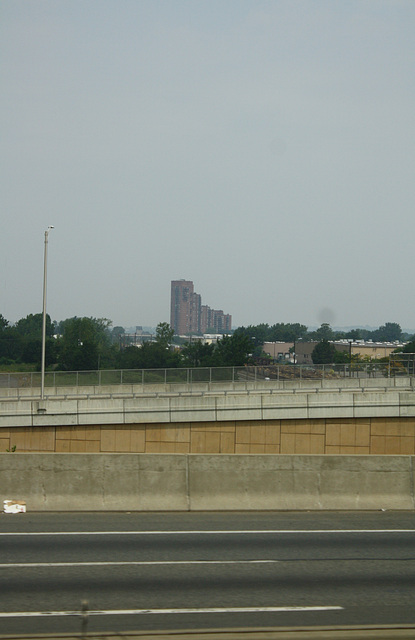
(211, 375)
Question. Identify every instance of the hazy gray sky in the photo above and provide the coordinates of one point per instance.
(263, 149)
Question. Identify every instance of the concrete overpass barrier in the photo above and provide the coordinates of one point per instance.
(191, 482)
(296, 404)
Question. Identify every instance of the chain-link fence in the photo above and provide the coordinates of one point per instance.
(402, 364)
(395, 367)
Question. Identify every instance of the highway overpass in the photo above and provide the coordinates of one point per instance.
(329, 416)
(253, 444)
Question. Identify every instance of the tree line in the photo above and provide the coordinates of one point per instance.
(77, 344)
(290, 332)
(82, 343)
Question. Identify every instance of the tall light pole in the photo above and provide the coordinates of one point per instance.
(45, 261)
(350, 341)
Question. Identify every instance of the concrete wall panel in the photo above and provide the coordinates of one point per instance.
(300, 482)
(193, 408)
(146, 409)
(366, 482)
(407, 404)
(376, 404)
(238, 407)
(347, 383)
(90, 482)
(284, 406)
(145, 483)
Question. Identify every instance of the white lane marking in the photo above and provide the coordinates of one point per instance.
(137, 612)
(29, 565)
(199, 532)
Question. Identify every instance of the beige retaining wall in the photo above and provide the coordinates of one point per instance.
(348, 436)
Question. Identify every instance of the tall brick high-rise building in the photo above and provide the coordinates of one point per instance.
(184, 307)
(188, 315)
(214, 319)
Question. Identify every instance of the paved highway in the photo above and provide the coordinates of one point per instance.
(210, 570)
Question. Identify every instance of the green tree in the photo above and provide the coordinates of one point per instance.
(164, 334)
(3, 322)
(409, 347)
(157, 356)
(32, 351)
(282, 332)
(324, 332)
(323, 353)
(279, 332)
(85, 343)
(197, 354)
(258, 334)
(129, 358)
(341, 357)
(31, 326)
(24, 340)
(152, 355)
(235, 350)
(116, 333)
(149, 356)
(389, 332)
(353, 334)
(11, 345)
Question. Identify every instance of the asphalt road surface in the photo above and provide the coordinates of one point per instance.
(204, 570)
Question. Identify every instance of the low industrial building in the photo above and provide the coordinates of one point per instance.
(362, 348)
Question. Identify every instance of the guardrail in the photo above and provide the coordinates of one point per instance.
(207, 375)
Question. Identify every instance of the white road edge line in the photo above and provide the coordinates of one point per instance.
(137, 612)
(29, 565)
(199, 532)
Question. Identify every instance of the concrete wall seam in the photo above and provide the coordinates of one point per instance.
(188, 502)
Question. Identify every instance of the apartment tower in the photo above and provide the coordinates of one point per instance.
(188, 315)
(185, 307)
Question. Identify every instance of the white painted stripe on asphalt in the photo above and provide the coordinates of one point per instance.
(138, 612)
(30, 565)
(199, 532)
